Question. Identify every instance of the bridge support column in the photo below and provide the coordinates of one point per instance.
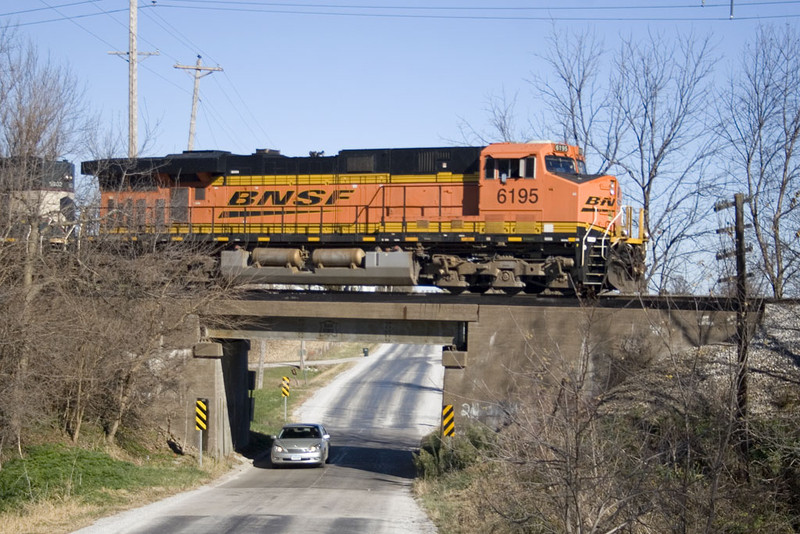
(218, 372)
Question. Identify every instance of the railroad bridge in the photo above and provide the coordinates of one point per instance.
(488, 342)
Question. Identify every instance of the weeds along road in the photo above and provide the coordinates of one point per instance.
(376, 413)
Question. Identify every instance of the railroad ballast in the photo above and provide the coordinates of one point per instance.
(508, 216)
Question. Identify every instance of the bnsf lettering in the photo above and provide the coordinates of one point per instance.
(275, 197)
(243, 198)
(308, 197)
(343, 194)
(601, 201)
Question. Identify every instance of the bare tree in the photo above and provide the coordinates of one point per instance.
(646, 123)
(576, 100)
(503, 122)
(40, 115)
(760, 124)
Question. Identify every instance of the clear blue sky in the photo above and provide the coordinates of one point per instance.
(329, 74)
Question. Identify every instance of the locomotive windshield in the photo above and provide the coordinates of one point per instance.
(502, 168)
(564, 164)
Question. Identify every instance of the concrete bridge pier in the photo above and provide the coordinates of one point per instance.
(518, 354)
(218, 372)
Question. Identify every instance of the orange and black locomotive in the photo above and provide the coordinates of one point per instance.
(510, 217)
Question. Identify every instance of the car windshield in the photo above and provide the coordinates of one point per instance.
(300, 432)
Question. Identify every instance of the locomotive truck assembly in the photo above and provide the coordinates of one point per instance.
(510, 217)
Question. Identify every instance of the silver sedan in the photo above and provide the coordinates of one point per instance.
(301, 443)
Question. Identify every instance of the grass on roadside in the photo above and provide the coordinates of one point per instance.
(55, 470)
(77, 484)
(269, 403)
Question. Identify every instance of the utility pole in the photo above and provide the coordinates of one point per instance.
(133, 58)
(742, 308)
(741, 314)
(197, 68)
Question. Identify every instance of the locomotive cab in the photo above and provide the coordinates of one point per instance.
(561, 224)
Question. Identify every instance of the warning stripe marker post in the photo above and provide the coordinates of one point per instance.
(201, 423)
(448, 421)
(285, 394)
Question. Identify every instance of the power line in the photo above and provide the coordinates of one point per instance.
(171, 30)
(449, 12)
(243, 105)
(71, 19)
(492, 8)
(239, 108)
(209, 5)
(34, 9)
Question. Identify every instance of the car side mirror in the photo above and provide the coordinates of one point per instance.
(273, 437)
(326, 436)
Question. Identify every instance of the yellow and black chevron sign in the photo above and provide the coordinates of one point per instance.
(285, 386)
(201, 414)
(448, 420)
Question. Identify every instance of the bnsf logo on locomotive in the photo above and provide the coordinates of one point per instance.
(598, 203)
(308, 197)
(304, 198)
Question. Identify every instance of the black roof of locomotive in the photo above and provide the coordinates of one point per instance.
(268, 162)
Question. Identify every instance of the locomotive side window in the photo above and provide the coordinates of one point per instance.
(508, 168)
(528, 167)
(489, 169)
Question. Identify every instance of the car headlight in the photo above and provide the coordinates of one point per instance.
(277, 448)
(314, 448)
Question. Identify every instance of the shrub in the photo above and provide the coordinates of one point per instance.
(439, 454)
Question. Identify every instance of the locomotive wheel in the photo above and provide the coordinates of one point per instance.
(512, 290)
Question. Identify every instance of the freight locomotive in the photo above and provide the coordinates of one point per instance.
(37, 200)
(508, 216)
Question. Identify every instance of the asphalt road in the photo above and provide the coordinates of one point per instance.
(376, 414)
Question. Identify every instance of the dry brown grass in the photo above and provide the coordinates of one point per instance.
(67, 514)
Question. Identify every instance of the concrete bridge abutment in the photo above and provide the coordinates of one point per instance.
(513, 350)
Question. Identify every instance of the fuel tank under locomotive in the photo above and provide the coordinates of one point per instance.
(350, 266)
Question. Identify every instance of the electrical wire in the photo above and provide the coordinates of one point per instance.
(47, 8)
(246, 121)
(629, 7)
(456, 12)
(542, 18)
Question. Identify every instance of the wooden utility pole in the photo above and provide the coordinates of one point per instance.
(133, 82)
(133, 58)
(741, 312)
(742, 308)
(197, 68)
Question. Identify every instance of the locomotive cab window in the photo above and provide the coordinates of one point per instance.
(509, 168)
(528, 167)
